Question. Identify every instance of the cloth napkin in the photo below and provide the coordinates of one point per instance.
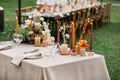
(18, 59)
(5, 47)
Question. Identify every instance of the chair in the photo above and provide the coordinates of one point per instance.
(96, 14)
(106, 12)
(24, 10)
(73, 18)
(81, 18)
(38, 7)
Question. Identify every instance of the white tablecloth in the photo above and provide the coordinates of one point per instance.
(57, 67)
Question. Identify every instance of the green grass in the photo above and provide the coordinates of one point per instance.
(106, 40)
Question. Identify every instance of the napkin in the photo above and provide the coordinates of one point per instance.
(5, 47)
(18, 59)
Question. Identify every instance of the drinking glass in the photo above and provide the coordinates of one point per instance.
(17, 38)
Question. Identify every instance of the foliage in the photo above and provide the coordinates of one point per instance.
(24, 33)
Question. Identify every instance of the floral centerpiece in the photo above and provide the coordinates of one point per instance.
(82, 43)
(65, 35)
(33, 28)
(81, 47)
(64, 50)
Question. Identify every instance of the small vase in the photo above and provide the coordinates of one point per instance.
(82, 51)
(64, 49)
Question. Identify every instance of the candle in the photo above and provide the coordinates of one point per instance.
(30, 24)
(91, 37)
(73, 36)
(76, 2)
(37, 41)
(16, 25)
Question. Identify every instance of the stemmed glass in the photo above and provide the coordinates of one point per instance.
(17, 38)
(54, 50)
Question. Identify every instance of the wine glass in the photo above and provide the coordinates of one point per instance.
(17, 38)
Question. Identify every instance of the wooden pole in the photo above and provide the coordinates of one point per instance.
(19, 12)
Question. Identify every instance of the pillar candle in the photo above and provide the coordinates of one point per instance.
(30, 24)
(16, 30)
(91, 36)
(73, 36)
(37, 41)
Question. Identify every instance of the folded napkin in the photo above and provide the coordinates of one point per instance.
(5, 47)
(18, 59)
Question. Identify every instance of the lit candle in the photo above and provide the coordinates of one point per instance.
(30, 24)
(91, 36)
(37, 41)
(73, 36)
(16, 25)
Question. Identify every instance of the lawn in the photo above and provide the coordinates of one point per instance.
(106, 40)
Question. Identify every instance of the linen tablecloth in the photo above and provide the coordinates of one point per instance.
(56, 67)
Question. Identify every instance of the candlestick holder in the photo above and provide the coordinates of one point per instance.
(90, 53)
(73, 53)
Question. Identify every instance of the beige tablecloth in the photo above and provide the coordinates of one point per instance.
(57, 67)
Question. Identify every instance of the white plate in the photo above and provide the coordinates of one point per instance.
(34, 57)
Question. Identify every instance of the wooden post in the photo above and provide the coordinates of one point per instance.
(19, 12)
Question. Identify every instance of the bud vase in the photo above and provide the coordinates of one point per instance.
(82, 51)
(64, 49)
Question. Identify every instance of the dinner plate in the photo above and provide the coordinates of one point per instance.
(34, 57)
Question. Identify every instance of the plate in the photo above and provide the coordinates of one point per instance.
(34, 57)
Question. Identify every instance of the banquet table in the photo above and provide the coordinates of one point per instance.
(54, 67)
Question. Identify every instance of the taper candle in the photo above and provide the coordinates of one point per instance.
(73, 36)
(91, 36)
(30, 24)
(16, 29)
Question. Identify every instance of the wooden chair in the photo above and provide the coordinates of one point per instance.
(81, 18)
(106, 12)
(73, 17)
(24, 10)
(96, 14)
(38, 7)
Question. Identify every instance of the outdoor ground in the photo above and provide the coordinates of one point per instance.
(106, 40)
